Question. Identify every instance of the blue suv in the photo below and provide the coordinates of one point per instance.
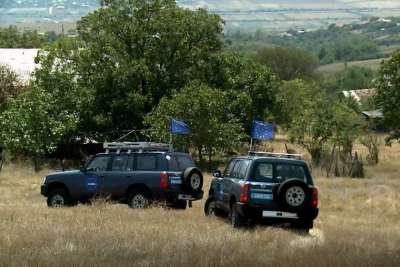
(133, 173)
(265, 187)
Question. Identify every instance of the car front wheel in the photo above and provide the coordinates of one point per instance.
(58, 198)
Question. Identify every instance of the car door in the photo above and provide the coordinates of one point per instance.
(96, 171)
(262, 184)
(147, 170)
(219, 192)
(231, 183)
(117, 180)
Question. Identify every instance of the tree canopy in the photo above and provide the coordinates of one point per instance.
(10, 86)
(388, 93)
(288, 63)
(129, 55)
(206, 111)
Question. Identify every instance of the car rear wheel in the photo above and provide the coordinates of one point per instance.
(236, 219)
(139, 200)
(180, 204)
(58, 198)
(302, 226)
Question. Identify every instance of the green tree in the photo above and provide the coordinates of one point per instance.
(388, 96)
(288, 63)
(10, 86)
(12, 37)
(250, 86)
(315, 120)
(310, 118)
(213, 126)
(31, 124)
(292, 97)
(130, 55)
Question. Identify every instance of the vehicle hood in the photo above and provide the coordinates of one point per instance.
(63, 175)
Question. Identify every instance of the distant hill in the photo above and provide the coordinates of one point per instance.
(272, 15)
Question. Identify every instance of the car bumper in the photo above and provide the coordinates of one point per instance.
(184, 196)
(259, 213)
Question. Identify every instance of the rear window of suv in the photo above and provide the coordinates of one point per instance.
(179, 163)
(287, 171)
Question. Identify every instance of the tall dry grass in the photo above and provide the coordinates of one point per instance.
(359, 225)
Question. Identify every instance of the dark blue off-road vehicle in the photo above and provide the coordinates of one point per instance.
(265, 187)
(133, 173)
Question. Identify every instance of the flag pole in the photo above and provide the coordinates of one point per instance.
(170, 136)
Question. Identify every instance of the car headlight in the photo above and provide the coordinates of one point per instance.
(44, 180)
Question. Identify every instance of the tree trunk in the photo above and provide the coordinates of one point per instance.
(2, 159)
(210, 159)
(199, 149)
(36, 162)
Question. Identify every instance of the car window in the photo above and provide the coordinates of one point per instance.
(287, 171)
(229, 169)
(120, 163)
(264, 172)
(236, 169)
(129, 166)
(172, 163)
(146, 162)
(99, 163)
(184, 162)
(242, 169)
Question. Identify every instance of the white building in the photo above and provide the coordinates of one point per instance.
(21, 61)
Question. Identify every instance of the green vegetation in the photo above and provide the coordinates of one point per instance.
(9, 85)
(335, 44)
(388, 96)
(32, 124)
(207, 112)
(11, 37)
(288, 63)
(137, 64)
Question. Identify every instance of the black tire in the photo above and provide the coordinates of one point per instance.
(58, 198)
(235, 218)
(294, 195)
(179, 204)
(302, 226)
(210, 208)
(139, 199)
(193, 180)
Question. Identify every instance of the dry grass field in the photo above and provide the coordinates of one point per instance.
(359, 225)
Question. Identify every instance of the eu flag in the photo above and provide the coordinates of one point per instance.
(179, 127)
(262, 130)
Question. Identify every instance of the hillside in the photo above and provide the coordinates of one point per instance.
(278, 15)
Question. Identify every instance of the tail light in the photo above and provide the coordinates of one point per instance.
(164, 180)
(244, 195)
(314, 200)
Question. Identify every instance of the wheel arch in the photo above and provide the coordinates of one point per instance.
(232, 200)
(57, 185)
(138, 187)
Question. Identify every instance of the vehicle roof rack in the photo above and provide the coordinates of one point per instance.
(276, 155)
(135, 147)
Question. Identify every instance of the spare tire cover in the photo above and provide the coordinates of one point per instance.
(294, 195)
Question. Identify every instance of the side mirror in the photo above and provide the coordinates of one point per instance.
(217, 174)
